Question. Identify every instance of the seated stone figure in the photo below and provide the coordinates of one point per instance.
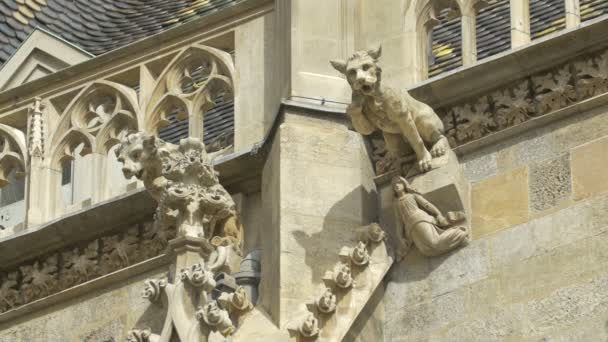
(399, 116)
(420, 223)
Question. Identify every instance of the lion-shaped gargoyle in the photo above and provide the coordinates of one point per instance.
(184, 183)
(399, 116)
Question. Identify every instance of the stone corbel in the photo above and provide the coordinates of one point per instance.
(341, 276)
(327, 302)
(306, 328)
(215, 318)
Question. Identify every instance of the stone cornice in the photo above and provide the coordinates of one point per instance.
(509, 66)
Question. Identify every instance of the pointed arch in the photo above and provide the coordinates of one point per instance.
(192, 80)
(100, 112)
(13, 153)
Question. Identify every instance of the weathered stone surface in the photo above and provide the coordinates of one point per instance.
(527, 150)
(550, 183)
(583, 220)
(111, 331)
(590, 169)
(480, 167)
(569, 305)
(499, 202)
(499, 324)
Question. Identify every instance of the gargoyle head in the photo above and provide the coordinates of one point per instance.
(138, 154)
(361, 70)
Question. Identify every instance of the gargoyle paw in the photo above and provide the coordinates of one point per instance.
(440, 147)
(424, 164)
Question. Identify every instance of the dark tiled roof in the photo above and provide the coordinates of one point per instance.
(97, 26)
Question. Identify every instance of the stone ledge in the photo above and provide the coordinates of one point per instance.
(92, 285)
(511, 65)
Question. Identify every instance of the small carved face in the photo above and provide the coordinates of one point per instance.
(310, 326)
(361, 70)
(148, 291)
(198, 274)
(212, 312)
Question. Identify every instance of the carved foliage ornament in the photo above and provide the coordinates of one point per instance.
(338, 282)
(537, 95)
(78, 264)
(190, 310)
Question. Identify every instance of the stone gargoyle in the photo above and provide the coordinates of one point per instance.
(399, 116)
(183, 181)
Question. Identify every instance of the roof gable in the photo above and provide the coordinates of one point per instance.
(41, 54)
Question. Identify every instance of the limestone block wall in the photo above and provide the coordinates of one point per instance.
(537, 265)
(103, 315)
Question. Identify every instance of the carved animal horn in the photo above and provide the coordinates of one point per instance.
(375, 53)
(339, 65)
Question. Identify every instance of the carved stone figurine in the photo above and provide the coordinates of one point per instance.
(215, 318)
(183, 181)
(236, 301)
(422, 224)
(327, 302)
(309, 326)
(142, 335)
(359, 255)
(342, 275)
(399, 116)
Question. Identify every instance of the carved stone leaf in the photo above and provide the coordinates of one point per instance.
(79, 267)
(448, 124)
(9, 296)
(39, 280)
(554, 90)
(119, 251)
(155, 239)
(592, 76)
(473, 121)
(513, 106)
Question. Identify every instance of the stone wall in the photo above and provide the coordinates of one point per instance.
(536, 268)
(100, 316)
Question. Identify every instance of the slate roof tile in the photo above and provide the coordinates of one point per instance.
(100, 26)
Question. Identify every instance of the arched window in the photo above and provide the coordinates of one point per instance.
(546, 17)
(493, 28)
(444, 47)
(218, 131)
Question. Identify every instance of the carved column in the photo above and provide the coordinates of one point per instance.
(469, 35)
(573, 13)
(36, 152)
(520, 22)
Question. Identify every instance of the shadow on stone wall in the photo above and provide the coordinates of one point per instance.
(321, 249)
